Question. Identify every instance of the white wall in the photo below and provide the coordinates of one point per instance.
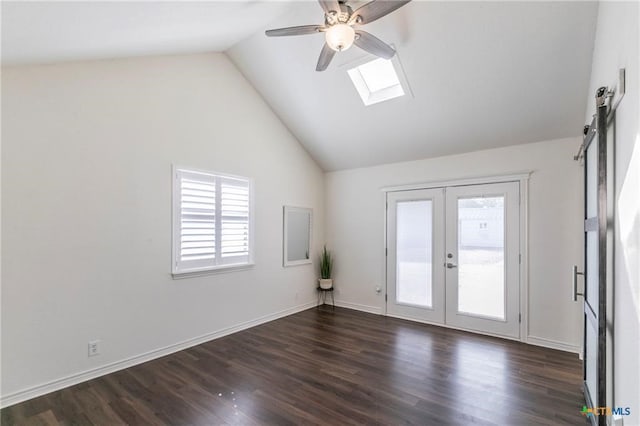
(616, 46)
(86, 212)
(355, 222)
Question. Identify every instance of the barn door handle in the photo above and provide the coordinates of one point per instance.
(575, 283)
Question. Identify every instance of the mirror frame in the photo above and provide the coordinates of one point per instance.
(286, 211)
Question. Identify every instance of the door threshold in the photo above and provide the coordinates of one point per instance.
(452, 327)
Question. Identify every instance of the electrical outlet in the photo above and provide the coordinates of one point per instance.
(94, 347)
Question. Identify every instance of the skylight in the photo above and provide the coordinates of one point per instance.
(376, 81)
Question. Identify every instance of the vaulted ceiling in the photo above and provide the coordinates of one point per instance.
(481, 74)
(53, 31)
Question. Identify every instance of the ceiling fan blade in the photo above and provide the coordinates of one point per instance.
(326, 55)
(329, 5)
(375, 9)
(372, 44)
(293, 31)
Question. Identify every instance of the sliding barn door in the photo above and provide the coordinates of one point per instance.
(597, 227)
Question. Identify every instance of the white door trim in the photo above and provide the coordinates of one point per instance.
(519, 177)
(523, 178)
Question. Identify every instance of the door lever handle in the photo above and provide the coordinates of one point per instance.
(451, 265)
(575, 283)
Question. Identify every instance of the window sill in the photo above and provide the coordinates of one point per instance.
(212, 271)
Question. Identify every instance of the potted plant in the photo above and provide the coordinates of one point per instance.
(326, 266)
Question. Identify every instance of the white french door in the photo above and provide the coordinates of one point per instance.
(453, 256)
(416, 251)
(483, 250)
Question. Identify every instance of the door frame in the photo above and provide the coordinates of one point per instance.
(523, 180)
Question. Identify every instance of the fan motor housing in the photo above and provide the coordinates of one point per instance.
(338, 17)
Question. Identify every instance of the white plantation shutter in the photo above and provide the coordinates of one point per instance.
(197, 219)
(212, 222)
(234, 214)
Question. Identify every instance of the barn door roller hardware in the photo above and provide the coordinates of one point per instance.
(602, 95)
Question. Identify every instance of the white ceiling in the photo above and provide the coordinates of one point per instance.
(52, 31)
(482, 74)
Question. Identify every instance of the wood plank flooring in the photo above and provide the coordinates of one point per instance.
(339, 367)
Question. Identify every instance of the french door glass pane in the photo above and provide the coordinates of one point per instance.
(481, 282)
(414, 252)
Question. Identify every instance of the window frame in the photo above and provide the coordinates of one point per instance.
(177, 270)
(383, 95)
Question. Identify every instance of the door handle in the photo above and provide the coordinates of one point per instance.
(451, 265)
(575, 283)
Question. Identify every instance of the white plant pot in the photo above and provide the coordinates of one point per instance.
(325, 284)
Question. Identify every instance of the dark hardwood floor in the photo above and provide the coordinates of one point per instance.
(325, 367)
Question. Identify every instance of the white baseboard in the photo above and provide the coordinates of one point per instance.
(358, 307)
(553, 344)
(54, 385)
(61, 383)
(531, 340)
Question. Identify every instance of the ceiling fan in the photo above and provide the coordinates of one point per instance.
(341, 28)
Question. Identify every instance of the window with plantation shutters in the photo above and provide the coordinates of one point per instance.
(212, 221)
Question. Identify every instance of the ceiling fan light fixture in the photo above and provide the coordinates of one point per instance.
(339, 33)
(340, 37)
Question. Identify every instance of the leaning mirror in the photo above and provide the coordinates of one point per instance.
(297, 236)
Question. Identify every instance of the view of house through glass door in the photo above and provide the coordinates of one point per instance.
(453, 256)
